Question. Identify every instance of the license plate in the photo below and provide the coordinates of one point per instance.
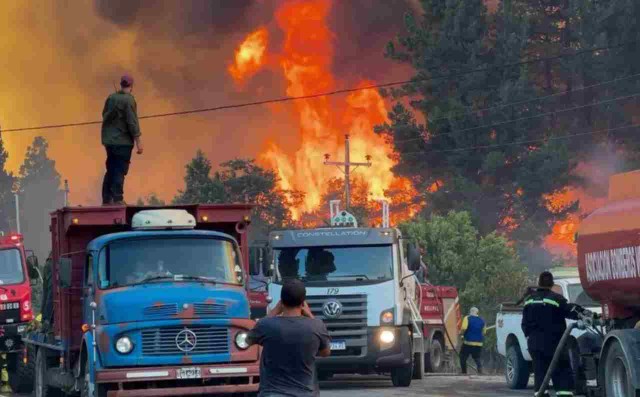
(10, 306)
(338, 345)
(189, 373)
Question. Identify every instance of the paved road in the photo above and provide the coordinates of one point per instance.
(431, 386)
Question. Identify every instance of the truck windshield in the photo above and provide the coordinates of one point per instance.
(11, 271)
(334, 263)
(579, 297)
(136, 261)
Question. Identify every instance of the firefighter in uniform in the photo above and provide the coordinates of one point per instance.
(543, 323)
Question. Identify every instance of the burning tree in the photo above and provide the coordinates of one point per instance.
(469, 153)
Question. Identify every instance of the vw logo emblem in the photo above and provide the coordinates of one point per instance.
(186, 340)
(332, 309)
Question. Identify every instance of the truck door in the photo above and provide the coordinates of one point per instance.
(88, 290)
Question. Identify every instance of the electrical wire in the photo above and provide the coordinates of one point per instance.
(554, 138)
(331, 93)
(516, 103)
(521, 119)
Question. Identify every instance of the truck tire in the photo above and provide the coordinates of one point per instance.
(617, 373)
(516, 369)
(579, 378)
(21, 375)
(418, 367)
(41, 389)
(401, 376)
(434, 360)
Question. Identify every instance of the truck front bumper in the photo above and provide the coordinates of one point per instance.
(374, 357)
(11, 337)
(163, 381)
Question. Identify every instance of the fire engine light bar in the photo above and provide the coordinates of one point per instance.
(163, 219)
(147, 374)
(230, 370)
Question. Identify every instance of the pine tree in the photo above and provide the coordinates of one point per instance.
(457, 157)
(7, 203)
(40, 193)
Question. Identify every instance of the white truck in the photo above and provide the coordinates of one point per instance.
(364, 288)
(512, 343)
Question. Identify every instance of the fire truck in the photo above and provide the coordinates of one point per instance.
(18, 271)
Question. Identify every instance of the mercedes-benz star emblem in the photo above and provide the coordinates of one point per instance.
(332, 309)
(186, 340)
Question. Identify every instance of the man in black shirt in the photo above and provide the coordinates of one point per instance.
(291, 339)
(543, 323)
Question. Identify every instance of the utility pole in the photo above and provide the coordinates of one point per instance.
(347, 164)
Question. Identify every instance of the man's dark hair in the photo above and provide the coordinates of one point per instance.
(545, 280)
(293, 293)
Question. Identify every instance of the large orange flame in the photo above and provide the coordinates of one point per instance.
(249, 56)
(323, 122)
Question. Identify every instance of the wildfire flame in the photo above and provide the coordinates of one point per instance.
(322, 122)
(249, 56)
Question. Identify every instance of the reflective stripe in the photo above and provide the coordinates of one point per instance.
(473, 343)
(564, 393)
(543, 301)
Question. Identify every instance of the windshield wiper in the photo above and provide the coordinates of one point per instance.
(153, 278)
(363, 276)
(212, 280)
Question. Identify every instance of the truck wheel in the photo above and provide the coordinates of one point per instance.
(516, 369)
(20, 374)
(41, 389)
(401, 377)
(434, 360)
(617, 374)
(579, 379)
(418, 366)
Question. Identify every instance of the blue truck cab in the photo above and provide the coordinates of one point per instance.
(163, 309)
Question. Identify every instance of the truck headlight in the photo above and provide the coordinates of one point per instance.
(387, 336)
(241, 340)
(124, 345)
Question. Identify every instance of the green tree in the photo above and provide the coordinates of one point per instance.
(152, 200)
(241, 181)
(469, 154)
(486, 270)
(7, 203)
(40, 193)
(199, 186)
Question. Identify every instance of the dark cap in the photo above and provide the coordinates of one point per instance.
(126, 81)
(545, 280)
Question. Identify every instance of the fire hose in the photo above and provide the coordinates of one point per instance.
(586, 320)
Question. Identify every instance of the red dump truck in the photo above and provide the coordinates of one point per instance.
(609, 263)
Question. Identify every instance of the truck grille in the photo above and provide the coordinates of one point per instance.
(162, 341)
(161, 310)
(209, 309)
(10, 313)
(350, 326)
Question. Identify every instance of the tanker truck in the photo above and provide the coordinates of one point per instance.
(609, 264)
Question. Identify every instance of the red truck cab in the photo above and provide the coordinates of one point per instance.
(16, 309)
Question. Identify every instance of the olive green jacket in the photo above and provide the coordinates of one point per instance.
(120, 120)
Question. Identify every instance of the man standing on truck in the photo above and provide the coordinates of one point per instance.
(473, 330)
(120, 130)
(291, 339)
(543, 323)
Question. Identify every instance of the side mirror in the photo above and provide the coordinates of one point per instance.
(413, 258)
(64, 272)
(32, 268)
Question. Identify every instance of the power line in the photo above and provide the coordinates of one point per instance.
(330, 93)
(470, 109)
(520, 119)
(523, 142)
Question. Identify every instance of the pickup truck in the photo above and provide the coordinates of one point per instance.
(512, 343)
